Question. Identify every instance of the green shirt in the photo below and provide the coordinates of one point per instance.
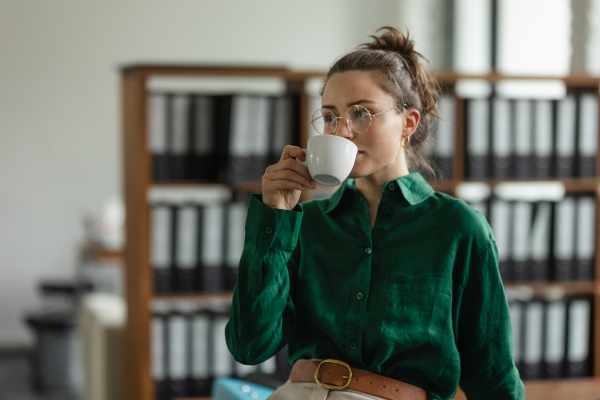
(417, 298)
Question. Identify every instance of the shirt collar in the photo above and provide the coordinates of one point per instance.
(413, 188)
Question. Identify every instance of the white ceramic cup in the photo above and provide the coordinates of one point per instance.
(329, 159)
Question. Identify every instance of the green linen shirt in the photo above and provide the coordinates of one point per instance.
(417, 298)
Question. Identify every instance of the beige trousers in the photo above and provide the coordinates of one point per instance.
(313, 391)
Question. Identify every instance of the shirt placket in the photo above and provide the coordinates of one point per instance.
(360, 289)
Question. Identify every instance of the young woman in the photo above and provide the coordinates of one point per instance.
(396, 285)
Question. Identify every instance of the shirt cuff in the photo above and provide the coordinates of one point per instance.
(274, 227)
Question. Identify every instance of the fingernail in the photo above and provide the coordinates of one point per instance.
(314, 185)
(305, 188)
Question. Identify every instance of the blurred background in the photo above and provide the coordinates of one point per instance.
(62, 210)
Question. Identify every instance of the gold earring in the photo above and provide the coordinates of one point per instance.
(407, 141)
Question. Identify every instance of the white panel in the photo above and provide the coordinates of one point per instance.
(472, 36)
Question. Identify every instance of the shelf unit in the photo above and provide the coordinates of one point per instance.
(137, 182)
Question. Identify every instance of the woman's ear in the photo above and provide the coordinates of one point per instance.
(412, 118)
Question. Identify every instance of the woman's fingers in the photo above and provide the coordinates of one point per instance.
(288, 185)
(293, 176)
(292, 152)
(290, 164)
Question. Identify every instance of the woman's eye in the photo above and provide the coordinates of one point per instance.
(329, 119)
(362, 114)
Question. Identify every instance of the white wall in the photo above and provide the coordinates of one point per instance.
(60, 138)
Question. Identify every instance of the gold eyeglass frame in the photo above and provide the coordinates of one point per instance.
(350, 124)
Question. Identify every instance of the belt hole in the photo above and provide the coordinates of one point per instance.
(396, 390)
(369, 383)
(383, 385)
(330, 373)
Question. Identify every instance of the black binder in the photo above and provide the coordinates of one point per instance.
(523, 128)
(285, 125)
(555, 331)
(204, 160)
(222, 362)
(477, 140)
(578, 338)
(566, 112)
(533, 350)
(186, 249)
(502, 141)
(161, 247)
(585, 239)
(200, 383)
(540, 242)
(211, 270)
(260, 135)
(501, 223)
(543, 137)
(517, 321)
(180, 136)
(178, 350)
(521, 248)
(234, 243)
(222, 125)
(445, 137)
(564, 239)
(587, 134)
(158, 135)
(158, 342)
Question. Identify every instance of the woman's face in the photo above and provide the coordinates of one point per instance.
(378, 146)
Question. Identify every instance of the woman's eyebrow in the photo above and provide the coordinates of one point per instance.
(331, 107)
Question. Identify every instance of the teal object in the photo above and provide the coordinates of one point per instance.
(236, 389)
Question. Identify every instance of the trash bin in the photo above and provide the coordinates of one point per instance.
(56, 358)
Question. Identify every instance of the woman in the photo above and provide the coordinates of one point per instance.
(397, 283)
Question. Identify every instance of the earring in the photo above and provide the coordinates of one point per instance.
(407, 141)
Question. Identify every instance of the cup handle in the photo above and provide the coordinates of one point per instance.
(303, 162)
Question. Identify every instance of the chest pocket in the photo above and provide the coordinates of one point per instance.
(417, 311)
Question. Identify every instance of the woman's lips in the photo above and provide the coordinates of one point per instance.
(359, 153)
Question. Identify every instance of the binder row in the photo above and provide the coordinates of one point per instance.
(543, 241)
(551, 337)
(220, 138)
(439, 148)
(507, 138)
(188, 351)
(196, 247)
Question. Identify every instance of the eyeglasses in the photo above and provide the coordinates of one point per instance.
(358, 117)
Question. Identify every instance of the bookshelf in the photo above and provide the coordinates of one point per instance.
(138, 181)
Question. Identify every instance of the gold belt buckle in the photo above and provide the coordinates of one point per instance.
(334, 387)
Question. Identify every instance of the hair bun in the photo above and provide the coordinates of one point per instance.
(394, 41)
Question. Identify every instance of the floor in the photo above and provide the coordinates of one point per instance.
(15, 380)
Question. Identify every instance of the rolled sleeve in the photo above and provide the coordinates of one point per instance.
(262, 315)
(485, 336)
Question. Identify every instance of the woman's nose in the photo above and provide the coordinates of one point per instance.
(343, 129)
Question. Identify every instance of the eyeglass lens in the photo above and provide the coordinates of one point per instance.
(325, 122)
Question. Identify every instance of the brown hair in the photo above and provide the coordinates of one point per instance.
(393, 58)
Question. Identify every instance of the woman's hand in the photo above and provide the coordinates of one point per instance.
(283, 182)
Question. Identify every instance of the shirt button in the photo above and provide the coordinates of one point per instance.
(359, 295)
(385, 208)
(353, 345)
(392, 186)
(368, 250)
(268, 229)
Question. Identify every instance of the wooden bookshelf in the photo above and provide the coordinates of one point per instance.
(137, 182)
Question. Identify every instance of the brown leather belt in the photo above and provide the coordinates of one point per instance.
(337, 375)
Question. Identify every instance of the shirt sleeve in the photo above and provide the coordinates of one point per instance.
(484, 341)
(262, 317)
